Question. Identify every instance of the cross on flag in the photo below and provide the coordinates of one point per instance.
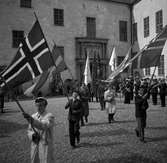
(32, 58)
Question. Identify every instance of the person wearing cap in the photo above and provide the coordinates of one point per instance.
(84, 97)
(74, 115)
(141, 105)
(41, 133)
(109, 97)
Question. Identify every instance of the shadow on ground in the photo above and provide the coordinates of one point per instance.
(104, 123)
(106, 133)
(157, 127)
(135, 158)
(7, 127)
(94, 145)
(162, 138)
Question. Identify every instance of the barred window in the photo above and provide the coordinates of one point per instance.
(159, 21)
(91, 27)
(146, 27)
(18, 36)
(161, 66)
(147, 71)
(123, 30)
(25, 3)
(59, 17)
(134, 32)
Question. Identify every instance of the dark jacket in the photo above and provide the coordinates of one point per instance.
(75, 108)
(141, 105)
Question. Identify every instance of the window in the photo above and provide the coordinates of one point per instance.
(134, 32)
(123, 30)
(25, 3)
(61, 50)
(59, 17)
(159, 21)
(146, 27)
(161, 66)
(17, 38)
(147, 71)
(91, 27)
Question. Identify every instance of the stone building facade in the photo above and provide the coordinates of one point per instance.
(79, 27)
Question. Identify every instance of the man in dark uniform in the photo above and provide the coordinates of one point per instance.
(162, 92)
(84, 96)
(141, 106)
(127, 92)
(101, 91)
(75, 107)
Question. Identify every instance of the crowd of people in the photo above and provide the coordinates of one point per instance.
(41, 124)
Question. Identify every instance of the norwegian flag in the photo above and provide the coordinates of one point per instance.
(32, 58)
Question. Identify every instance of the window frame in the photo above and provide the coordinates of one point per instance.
(17, 38)
(135, 38)
(91, 27)
(26, 3)
(58, 17)
(159, 21)
(147, 71)
(146, 24)
(123, 31)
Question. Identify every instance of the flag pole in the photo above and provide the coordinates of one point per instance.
(15, 99)
(49, 51)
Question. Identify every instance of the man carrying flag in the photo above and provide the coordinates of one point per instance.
(33, 58)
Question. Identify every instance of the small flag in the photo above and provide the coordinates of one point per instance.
(112, 61)
(87, 74)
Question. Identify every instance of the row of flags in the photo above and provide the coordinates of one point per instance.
(33, 58)
(147, 57)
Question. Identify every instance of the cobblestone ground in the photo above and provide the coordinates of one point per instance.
(100, 142)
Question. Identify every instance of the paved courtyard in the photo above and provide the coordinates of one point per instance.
(100, 142)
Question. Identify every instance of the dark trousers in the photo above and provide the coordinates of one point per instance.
(2, 103)
(162, 97)
(154, 99)
(74, 131)
(102, 103)
(127, 98)
(141, 124)
(110, 117)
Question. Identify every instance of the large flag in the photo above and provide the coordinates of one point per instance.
(112, 61)
(150, 56)
(87, 74)
(32, 59)
(124, 64)
(60, 67)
